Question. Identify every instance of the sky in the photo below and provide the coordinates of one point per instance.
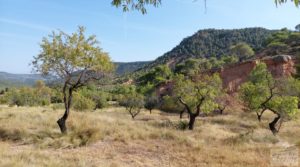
(128, 36)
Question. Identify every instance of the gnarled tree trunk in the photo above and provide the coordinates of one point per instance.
(67, 100)
(273, 124)
(192, 121)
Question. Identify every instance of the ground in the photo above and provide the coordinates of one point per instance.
(29, 136)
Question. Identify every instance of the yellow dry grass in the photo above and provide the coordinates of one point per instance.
(110, 138)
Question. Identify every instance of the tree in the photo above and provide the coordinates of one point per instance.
(197, 96)
(297, 27)
(284, 1)
(298, 67)
(263, 93)
(242, 51)
(159, 74)
(75, 60)
(133, 102)
(151, 102)
(140, 4)
(135, 4)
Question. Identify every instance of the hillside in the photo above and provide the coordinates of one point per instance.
(127, 67)
(212, 42)
(15, 80)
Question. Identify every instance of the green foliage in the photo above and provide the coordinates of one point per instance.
(125, 68)
(170, 104)
(192, 67)
(63, 55)
(40, 95)
(119, 91)
(133, 102)
(147, 89)
(135, 4)
(242, 50)
(82, 103)
(191, 92)
(283, 42)
(262, 92)
(99, 97)
(159, 74)
(151, 102)
(284, 1)
(210, 42)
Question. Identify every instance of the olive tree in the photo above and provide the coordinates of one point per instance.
(75, 60)
(197, 96)
(263, 93)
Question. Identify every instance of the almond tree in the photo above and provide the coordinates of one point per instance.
(197, 96)
(263, 93)
(75, 60)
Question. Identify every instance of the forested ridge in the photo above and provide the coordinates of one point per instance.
(213, 42)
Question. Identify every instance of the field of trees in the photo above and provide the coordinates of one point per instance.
(82, 109)
(88, 118)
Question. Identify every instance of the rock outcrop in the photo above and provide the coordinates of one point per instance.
(235, 75)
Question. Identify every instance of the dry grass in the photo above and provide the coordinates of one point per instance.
(30, 137)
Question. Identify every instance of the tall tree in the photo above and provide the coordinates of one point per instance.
(75, 59)
(263, 93)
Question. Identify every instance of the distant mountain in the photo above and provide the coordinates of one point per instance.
(125, 68)
(16, 80)
(212, 42)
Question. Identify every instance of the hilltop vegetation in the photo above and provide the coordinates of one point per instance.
(126, 68)
(17, 80)
(212, 43)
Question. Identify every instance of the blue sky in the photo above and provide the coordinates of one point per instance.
(127, 36)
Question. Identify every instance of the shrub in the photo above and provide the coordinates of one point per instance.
(169, 104)
(82, 103)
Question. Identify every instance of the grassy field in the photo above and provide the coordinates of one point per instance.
(110, 138)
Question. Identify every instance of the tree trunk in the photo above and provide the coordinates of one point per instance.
(192, 121)
(273, 124)
(150, 111)
(181, 113)
(62, 121)
(259, 118)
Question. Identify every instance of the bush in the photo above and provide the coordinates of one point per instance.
(81, 103)
(170, 104)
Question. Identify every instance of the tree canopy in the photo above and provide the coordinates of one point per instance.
(242, 50)
(140, 5)
(75, 59)
(135, 4)
(263, 93)
(198, 96)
